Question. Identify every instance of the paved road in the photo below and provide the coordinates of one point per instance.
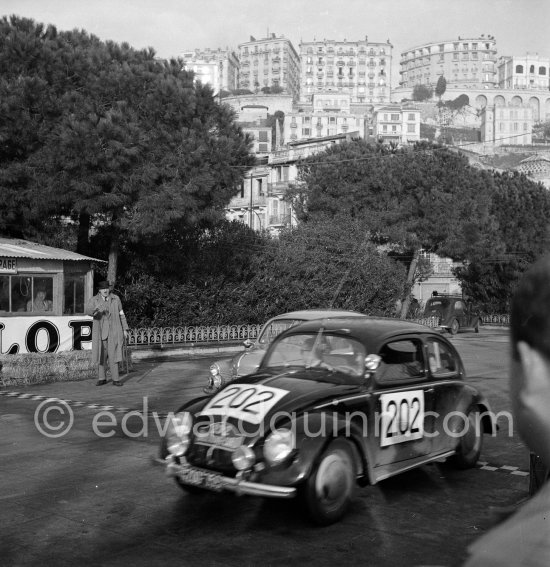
(96, 498)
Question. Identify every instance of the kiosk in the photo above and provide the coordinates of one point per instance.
(43, 295)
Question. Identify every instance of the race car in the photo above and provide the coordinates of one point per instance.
(335, 403)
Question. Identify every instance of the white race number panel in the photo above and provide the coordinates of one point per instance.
(402, 417)
(245, 402)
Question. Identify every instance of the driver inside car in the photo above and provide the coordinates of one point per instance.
(313, 352)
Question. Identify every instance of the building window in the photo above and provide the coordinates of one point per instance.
(262, 136)
(306, 131)
(411, 128)
(394, 117)
(411, 117)
(262, 147)
(519, 69)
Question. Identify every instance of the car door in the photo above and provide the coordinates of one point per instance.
(444, 375)
(402, 397)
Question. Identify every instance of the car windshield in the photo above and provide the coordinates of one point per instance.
(323, 351)
(275, 328)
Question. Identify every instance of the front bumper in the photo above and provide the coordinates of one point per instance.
(209, 480)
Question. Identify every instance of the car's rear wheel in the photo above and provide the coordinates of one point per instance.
(453, 329)
(329, 489)
(471, 441)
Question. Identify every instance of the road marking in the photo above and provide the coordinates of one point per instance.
(88, 405)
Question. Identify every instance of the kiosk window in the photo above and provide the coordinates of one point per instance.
(73, 295)
(26, 294)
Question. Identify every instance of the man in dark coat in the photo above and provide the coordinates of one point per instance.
(109, 331)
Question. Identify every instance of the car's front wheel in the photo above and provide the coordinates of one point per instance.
(329, 489)
(470, 442)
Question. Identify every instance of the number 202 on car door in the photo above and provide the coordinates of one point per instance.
(402, 417)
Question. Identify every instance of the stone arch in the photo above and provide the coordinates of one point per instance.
(499, 100)
(481, 101)
(534, 103)
(516, 100)
(546, 115)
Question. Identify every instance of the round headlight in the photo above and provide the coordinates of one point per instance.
(278, 446)
(243, 458)
(215, 369)
(178, 432)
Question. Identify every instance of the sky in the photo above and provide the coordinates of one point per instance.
(171, 27)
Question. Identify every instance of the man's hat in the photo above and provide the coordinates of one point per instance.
(104, 285)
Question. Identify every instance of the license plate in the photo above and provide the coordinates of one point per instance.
(195, 477)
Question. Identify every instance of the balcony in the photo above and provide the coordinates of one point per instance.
(279, 220)
(277, 188)
(244, 202)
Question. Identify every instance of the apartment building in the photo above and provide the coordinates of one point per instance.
(361, 69)
(218, 68)
(527, 72)
(507, 124)
(328, 115)
(396, 123)
(267, 62)
(466, 63)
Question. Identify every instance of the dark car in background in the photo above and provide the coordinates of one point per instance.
(335, 403)
(453, 312)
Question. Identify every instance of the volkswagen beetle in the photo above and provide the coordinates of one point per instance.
(334, 403)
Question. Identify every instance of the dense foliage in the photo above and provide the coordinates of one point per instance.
(108, 136)
(321, 264)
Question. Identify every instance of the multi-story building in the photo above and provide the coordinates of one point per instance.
(466, 63)
(507, 124)
(272, 61)
(328, 115)
(528, 72)
(396, 123)
(361, 69)
(261, 202)
(218, 68)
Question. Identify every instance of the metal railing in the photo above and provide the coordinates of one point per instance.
(192, 335)
(159, 336)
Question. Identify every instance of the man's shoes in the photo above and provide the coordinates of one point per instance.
(117, 383)
(101, 382)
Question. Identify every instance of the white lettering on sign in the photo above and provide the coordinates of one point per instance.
(8, 265)
(245, 402)
(402, 417)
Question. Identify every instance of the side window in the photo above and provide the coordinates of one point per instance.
(401, 362)
(441, 360)
(26, 294)
(73, 294)
(459, 307)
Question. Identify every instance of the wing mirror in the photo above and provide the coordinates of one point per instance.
(372, 362)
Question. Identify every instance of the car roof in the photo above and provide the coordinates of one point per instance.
(369, 330)
(309, 314)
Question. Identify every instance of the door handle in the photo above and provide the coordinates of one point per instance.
(430, 391)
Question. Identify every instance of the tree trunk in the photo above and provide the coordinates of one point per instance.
(113, 258)
(113, 250)
(83, 237)
(410, 282)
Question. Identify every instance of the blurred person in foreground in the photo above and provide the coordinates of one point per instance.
(109, 330)
(524, 538)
